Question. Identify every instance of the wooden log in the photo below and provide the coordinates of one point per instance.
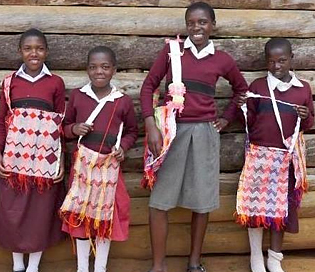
(231, 156)
(237, 4)
(221, 237)
(140, 216)
(69, 52)
(228, 183)
(153, 22)
(130, 83)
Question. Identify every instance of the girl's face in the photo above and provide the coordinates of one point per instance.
(278, 61)
(100, 70)
(199, 26)
(33, 51)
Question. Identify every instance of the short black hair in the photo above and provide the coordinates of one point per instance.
(105, 50)
(203, 6)
(276, 43)
(33, 32)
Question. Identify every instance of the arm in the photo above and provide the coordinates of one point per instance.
(59, 97)
(239, 86)
(150, 84)
(308, 122)
(70, 117)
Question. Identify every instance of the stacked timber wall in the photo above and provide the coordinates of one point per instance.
(136, 30)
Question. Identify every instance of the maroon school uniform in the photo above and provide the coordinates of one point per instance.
(29, 221)
(200, 77)
(79, 108)
(264, 129)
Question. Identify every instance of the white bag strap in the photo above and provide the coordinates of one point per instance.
(176, 64)
(119, 135)
(291, 145)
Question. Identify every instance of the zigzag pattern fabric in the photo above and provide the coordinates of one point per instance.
(91, 198)
(263, 187)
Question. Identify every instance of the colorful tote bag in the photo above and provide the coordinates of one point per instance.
(91, 199)
(262, 196)
(165, 117)
(33, 145)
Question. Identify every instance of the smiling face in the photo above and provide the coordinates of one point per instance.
(33, 51)
(278, 60)
(101, 70)
(199, 27)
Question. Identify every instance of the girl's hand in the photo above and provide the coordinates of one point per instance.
(3, 172)
(302, 111)
(154, 136)
(118, 154)
(220, 124)
(81, 129)
(61, 173)
(241, 100)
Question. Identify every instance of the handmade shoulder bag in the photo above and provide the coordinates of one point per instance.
(165, 117)
(262, 196)
(91, 199)
(33, 145)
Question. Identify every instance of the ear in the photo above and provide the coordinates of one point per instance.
(214, 22)
(115, 71)
(292, 55)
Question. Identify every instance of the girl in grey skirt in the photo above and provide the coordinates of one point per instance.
(189, 176)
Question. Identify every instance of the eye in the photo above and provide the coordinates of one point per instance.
(105, 67)
(203, 22)
(91, 67)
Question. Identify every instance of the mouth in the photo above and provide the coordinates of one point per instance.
(197, 36)
(34, 61)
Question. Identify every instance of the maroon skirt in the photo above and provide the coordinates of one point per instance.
(29, 222)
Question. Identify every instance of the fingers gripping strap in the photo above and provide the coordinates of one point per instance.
(176, 61)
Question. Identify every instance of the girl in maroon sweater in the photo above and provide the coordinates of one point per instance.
(31, 164)
(189, 175)
(263, 200)
(102, 121)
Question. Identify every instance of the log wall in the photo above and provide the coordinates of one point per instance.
(136, 30)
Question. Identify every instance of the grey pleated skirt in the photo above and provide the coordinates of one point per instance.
(189, 176)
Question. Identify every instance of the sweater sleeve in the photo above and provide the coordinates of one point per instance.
(70, 118)
(130, 131)
(3, 113)
(309, 121)
(153, 80)
(239, 85)
(59, 98)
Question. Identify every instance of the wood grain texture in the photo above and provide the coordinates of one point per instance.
(69, 52)
(235, 4)
(153, 21)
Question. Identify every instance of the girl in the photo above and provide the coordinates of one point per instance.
(274, 175)
(194, 152)
(97, 204)
(31, 164)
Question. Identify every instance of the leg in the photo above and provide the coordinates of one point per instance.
(158, 232)
(33, 261)
(83, 254)
(255, 236)
(199, 222)
(274, 253)
(101, 257)
(18, 262)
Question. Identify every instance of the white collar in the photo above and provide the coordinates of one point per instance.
(274, 82)
(114, 93)
(209, 49)
(43, 72)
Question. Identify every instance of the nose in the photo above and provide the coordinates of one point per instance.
(99, 70)
(277, 65)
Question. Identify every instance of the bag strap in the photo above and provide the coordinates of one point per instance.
(176, 63)
(291, 145)
(6, 89)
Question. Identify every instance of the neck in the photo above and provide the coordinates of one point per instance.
(101, 92)
(33, 73)
(286, 78)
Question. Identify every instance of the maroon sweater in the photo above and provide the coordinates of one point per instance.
(80, 107)
(200, 77)
(263, 127)
(47, 93)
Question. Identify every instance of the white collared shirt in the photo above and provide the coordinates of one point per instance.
(43, 72)
(209, 49)
(274, 82)
(114, 93)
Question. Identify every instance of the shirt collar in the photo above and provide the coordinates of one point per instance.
(274, 82)
(44, 71)
(209, 49)
(114, 93)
